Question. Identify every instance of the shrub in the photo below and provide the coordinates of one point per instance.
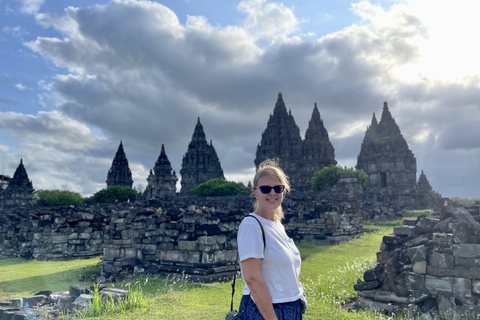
(115, 194)
(48, 198)
(220, 187)
(328, 176)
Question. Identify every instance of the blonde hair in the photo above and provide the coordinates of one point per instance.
(270, 167)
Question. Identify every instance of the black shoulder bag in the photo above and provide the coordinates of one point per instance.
(234, 314)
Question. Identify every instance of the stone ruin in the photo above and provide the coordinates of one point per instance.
(300, 159)
(200, 163)
(53, 233)
(198, 241)
(384, 155)
(119, 173)
(47, 304)
(162, 180)
(428, 266)
(18, 192)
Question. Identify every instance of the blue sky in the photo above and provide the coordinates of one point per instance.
(78, 76)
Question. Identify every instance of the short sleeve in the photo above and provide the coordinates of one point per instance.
(250, 240)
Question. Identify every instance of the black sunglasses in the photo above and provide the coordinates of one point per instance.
(267, 189)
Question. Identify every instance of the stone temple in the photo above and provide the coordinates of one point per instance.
(162, 179)
(200, 163)
(389, 163)
(300, 159)
(120, 174)
(19, 191)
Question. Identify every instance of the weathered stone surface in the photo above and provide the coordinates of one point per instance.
(445, 300)
(403, 230)
(415, 281)
(34, 301)
(418, 253)
(434, 284)
(441, 260)
(462, 290)
(76, 290)
(364, 285)
(465, 250)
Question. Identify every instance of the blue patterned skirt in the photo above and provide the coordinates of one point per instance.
(285, 311)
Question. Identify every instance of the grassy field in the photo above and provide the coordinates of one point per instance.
(328, 274)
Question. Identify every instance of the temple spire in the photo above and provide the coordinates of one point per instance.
(162, 179)
(119, 173)
(200, 163)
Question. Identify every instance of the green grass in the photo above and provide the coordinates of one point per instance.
(21, 278)
(328, 274)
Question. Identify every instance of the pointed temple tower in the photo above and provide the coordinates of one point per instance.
(19, 191)
(299, 159)
(162, 179)
(427, 198)
(120, 174)
(317, 150)
(281, 139)
(200, 163)
(390, 165)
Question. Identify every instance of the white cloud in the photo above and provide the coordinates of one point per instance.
(17, 31)
(269, 21)
(30, 6)
(146, 82)
(20, 86)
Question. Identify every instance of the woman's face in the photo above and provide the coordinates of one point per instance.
(272, 200)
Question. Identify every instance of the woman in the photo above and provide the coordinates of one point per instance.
(272, 289)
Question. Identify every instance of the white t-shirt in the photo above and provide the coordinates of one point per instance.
(281, 259)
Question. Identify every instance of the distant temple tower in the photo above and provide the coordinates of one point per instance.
(317, 150)
(19, 191)
(200, 163)
(427, 198)
(281, 139)
(390, 165)
(162, 179)
(119, 174)
(299, 159)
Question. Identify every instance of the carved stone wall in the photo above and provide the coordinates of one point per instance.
(428, 266)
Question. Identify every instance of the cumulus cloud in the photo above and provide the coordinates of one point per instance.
(268, 20)
(146, 82)
(30, 6)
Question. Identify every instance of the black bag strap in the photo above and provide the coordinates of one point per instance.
(236, 261)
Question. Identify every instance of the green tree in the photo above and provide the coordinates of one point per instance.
(48, 198)
(115, 194)
(328, 176)
(220, 187)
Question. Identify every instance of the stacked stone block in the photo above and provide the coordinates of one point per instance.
(55, 233)
(198, 243)
(427, 266)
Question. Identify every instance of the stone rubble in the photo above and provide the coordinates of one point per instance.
(50, 305)
(428, 266)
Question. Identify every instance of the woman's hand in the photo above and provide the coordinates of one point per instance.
(252, 274)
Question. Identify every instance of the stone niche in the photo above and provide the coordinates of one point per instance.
(428, 266)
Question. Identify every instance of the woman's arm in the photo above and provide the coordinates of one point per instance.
(252, 274)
